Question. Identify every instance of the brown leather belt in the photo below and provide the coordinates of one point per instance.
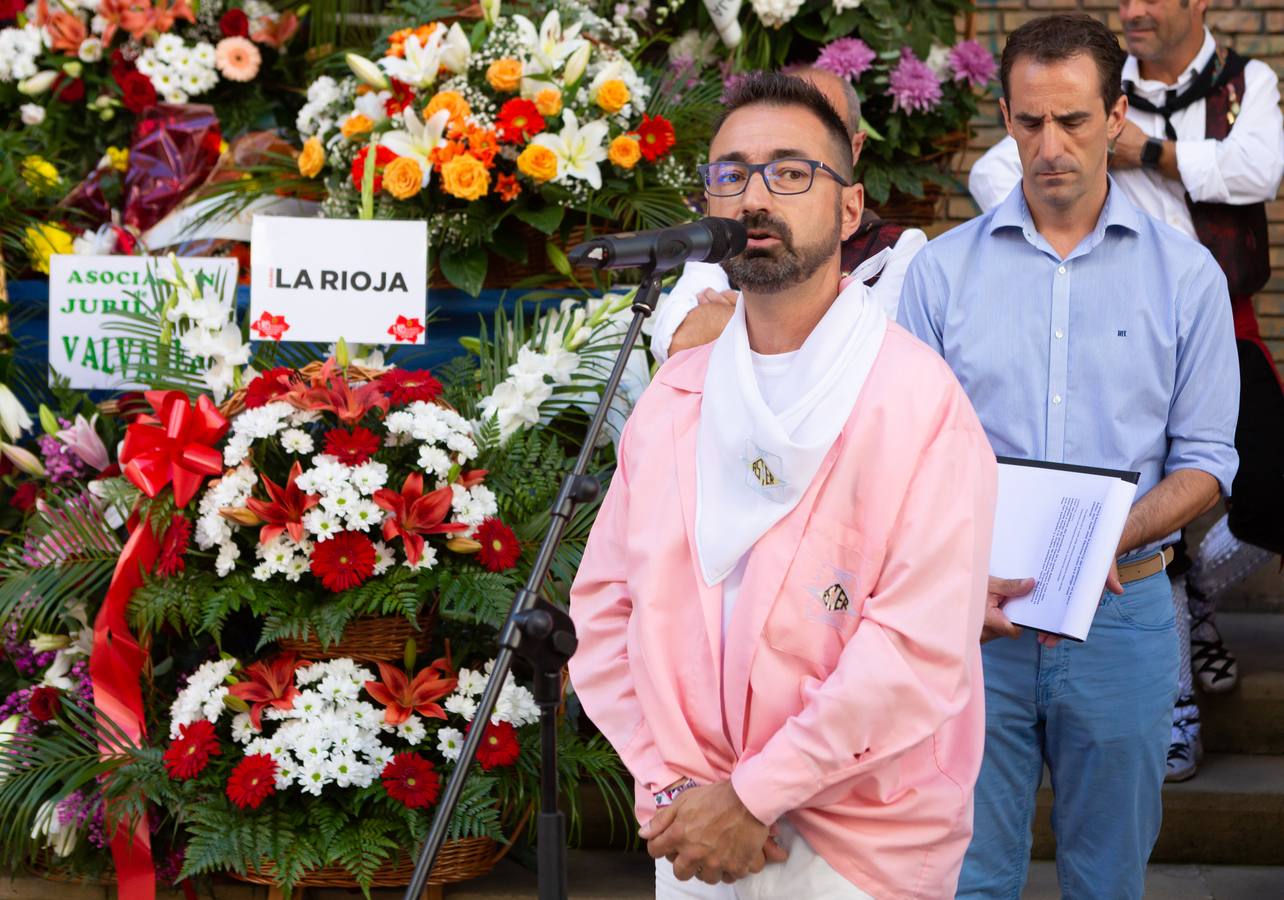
(1144, 568)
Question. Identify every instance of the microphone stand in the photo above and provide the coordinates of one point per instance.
(544, 636)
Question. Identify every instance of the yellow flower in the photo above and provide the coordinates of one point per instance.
(449, 100)
(624, 152)
(312, 159)
(223, 147)
(549, 102)
(39, 173)
(119, 157)
(465, 177)
(613, 95)
(505, 75)
(403, 178)
(538, 162)
(43, 241)
(356, 124)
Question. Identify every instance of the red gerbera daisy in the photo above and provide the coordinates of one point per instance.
(174, 546)
(519, 120)
(383, 156)
(188, 756)
(344, 561)
(656, 137)
(271, 385)
(499, 546)
(508, 188)
(498, 746)
(252, 781)
(351, 447)
(411, 779)
(44, 703)
(409, 385)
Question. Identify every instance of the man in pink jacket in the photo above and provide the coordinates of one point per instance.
(780, 605)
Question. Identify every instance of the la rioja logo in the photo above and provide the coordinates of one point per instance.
(270, 327)
(406, 329)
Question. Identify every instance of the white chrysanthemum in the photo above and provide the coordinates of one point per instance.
(427, 560)
(516, 705)
(368, 477)
(243, 730)
(340, 502)
(296, 568)
(338, 689)
(323, 523)
(314, 774)
(471, 682)
(384, 557)
(435, 460)
(226, 561)
(362, 515)
(461, 706)
(295, 440)
(450, 741)
(412, 730)
(345, 770)
(775, 13)
(202, 696)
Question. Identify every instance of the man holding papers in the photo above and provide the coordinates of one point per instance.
(1085, 333)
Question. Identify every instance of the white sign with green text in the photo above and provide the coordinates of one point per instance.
(325, 279)
(88, 299)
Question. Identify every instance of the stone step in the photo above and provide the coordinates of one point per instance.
(1250, 719)
(1232, 813)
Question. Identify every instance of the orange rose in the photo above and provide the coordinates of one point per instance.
(549, 102)
(465, 177)
(538, 162)
(312, 158)
(449, 100)
(613, 95)
(403, 178)
(505, 75)
(356, 124)
(624, 152)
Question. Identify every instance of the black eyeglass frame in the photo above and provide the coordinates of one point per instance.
(761, 170)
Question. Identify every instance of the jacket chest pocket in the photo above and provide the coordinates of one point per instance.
(822, 598)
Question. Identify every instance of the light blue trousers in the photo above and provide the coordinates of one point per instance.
(1098, 715)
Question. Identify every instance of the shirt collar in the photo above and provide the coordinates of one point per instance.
(1119, 212)
(1132, 70)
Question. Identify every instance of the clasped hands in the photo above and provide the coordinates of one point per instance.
(707, 833)
(1001, 590)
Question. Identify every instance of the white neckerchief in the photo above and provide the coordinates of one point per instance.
(753, 465)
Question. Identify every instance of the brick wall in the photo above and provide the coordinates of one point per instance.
(1253, 27)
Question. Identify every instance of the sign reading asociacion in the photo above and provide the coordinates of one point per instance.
(325, 279)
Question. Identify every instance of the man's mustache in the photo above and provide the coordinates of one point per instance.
(1140, 23)
(768, 225)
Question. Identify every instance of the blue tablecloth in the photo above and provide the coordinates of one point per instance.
(454, 314)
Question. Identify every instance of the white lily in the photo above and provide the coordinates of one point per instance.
(578, 150)
(456, 51)
(576, 65)
(550, 46)
(372, 105)
(419, 138)
(367, 71)
(490, 11)
(38, 83)
(58, 837)
(13, 416)
(419, 67)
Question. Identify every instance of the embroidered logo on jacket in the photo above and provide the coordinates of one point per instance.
(830, 596)
(762, 472)
(835, 598)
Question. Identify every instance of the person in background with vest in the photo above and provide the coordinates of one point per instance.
(1203, 150)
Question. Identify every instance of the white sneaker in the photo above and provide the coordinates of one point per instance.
(1186, 751)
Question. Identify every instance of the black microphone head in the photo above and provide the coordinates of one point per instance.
(729, 238)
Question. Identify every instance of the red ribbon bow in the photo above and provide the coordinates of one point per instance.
(177, 444)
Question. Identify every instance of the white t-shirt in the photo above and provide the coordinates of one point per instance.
(772, 372)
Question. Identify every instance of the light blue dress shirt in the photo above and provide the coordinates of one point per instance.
(1121, 355)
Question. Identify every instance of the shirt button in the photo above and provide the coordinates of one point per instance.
(1060, 334)
(1061, 271)
(1056, 398)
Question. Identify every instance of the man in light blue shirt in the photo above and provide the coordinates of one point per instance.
(1084, 332)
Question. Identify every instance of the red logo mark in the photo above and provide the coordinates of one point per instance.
(270, 327)
(406, 329)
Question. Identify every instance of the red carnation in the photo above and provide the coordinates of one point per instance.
(519, 120)
(411, 779)
(351, 447)
(271, 385)
(188, 756)
(25, 496)
(174, 546)
(344, 561)
(235, 23)
(69, 91)
(499, 547)
(402, 96)
(409, 385)
(137, 92)
(252, 781)
(383, 156)
(656, 137)
(498, 746)
(44, 703)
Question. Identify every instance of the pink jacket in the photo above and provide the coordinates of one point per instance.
(865, 728)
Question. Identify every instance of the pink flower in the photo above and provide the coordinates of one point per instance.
(972, 63)
(83, 440)
(913, 86)
(847, 57)
(237, 59)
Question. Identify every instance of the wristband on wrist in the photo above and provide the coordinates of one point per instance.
(1151, 153)
(668, 795)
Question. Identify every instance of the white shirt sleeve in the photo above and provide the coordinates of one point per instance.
(1248, 165)
(886, 292)
(995, 174)
(677, 303)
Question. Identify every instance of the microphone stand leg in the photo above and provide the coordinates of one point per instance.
(551, 827)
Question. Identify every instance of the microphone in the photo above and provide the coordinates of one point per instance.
(709, 240)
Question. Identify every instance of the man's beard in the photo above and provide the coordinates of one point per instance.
(769, 270)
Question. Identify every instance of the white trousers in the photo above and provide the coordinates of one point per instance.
(805, 874)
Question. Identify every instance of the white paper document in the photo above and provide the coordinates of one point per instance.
(1059, 525)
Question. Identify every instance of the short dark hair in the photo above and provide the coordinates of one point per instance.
(778, 89)
(1061, 36)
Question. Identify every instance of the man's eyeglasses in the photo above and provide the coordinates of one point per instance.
(781, 176)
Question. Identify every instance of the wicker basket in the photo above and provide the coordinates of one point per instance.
(369, 639)
(459, 860)
(236, 402)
